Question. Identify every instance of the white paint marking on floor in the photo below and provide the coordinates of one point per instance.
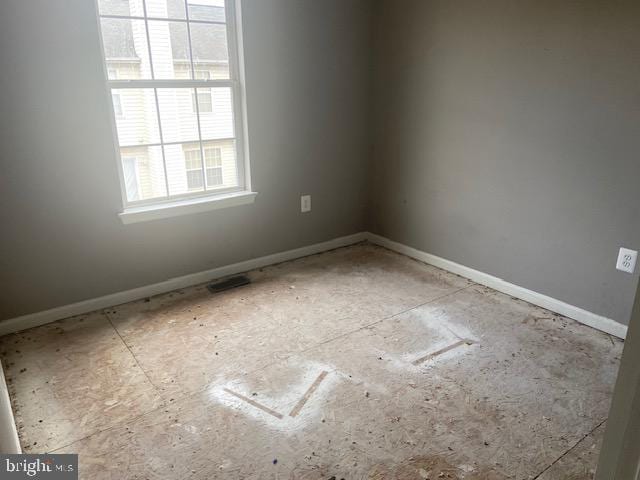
(307, 395)
(441, 351)
(230, 394)
(445, 338)
(442, 322)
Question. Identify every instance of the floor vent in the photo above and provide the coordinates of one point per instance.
(229, 283)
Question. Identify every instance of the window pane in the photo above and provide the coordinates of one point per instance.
(138, 124)
(211, 10)
(220, 163)
(143, 172)
(127, 8)
(125, 48)
(216, 112)
(184, 168)
(209, 49)
(179, 121)
(169, 50)
(165, 9)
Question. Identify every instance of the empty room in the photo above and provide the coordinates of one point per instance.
(320, 239)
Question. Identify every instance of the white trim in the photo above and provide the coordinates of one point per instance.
(168, 83)
(184, 197)
(40, 318)
(183, 207)
(179, 142)
(162, 19)
(593, 320)
(9, 441)
(240, 97)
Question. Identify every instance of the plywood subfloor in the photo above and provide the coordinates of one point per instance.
(355, 363)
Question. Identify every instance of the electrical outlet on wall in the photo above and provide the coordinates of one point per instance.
(305, 203)
(627, 260)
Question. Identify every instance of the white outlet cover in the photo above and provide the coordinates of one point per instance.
(305, 203)
(627, 260)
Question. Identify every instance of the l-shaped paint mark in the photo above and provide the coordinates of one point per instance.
(442, 350)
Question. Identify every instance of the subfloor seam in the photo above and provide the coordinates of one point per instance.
(570, 449)
(342, 335)
(106, 429)
(155, 387)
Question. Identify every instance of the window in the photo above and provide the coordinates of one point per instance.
(205, 103)
(174, 64)
(213, 166)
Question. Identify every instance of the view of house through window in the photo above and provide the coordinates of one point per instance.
(213, 167)
(174, 89)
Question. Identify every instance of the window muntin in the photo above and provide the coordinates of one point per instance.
(173, 64)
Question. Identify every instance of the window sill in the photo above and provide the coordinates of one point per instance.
(184, 207)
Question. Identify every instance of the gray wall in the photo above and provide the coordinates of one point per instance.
(307, 65)
(508, 140)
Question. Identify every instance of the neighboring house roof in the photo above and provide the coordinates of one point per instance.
(208, 42)
(117, 37)
(114, 7)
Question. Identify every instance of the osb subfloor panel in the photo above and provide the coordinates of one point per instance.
(355, 363)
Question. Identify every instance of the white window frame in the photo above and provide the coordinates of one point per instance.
(179, 204)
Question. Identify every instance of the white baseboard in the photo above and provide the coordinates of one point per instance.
(40, 318)
(598, 322)
(593, 320)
